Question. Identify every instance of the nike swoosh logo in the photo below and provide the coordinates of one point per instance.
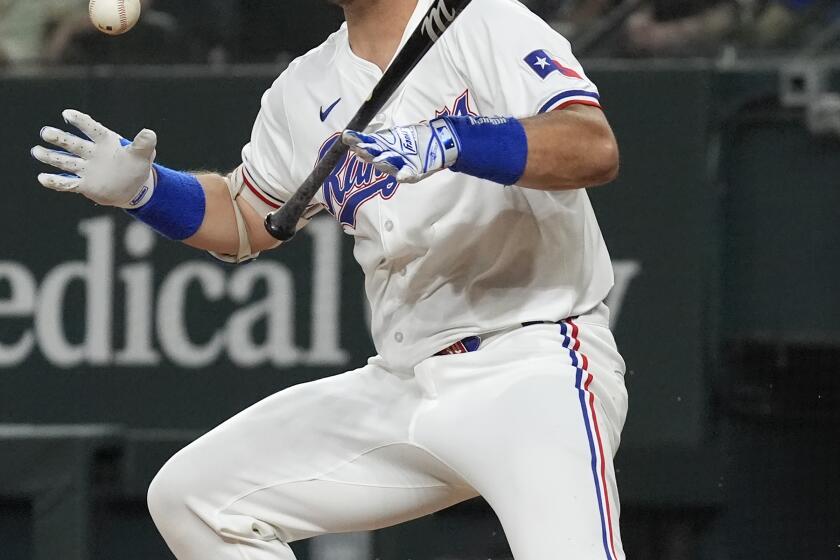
(325, 114)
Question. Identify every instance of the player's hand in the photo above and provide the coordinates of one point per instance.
(103, 166)
(409, 153)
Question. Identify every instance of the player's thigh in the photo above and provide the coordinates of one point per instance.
(307, 429)
(326, 456)
(536, 436)
(381, 488)
(558, 494)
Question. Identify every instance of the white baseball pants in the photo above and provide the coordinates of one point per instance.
(530, 421)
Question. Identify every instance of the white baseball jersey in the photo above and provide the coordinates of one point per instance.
(452, 256)
(445, 259)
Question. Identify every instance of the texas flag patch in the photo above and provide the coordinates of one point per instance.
(543, 65)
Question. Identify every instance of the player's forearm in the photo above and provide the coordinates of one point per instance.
(218, 232)
(562, 150)
(569, 149)
(108, 169)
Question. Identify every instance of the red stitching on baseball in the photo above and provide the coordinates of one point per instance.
(123, 17)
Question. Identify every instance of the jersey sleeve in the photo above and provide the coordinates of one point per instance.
(515, 63)
(265, 177)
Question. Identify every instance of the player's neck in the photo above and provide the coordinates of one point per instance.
(376, 28)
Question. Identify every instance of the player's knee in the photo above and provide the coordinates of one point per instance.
(170, 493)
(159, 497)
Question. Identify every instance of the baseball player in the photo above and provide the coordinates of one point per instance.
(485, 268)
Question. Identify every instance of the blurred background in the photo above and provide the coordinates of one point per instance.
(118, 348)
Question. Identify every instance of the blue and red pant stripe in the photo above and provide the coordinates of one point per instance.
(583, 380)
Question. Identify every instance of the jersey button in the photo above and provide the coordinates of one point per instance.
(399, 337)
(389, 225)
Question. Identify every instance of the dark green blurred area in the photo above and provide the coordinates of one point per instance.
(57, 32)
(726, 209)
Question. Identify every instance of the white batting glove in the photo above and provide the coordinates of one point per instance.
(409, 153)
(99, 167)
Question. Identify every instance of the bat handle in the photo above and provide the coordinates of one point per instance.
(282, 224)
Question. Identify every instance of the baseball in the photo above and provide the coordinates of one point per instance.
(114, 17)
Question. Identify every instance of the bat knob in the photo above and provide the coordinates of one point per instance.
(278, 228)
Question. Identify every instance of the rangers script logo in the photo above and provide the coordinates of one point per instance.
(354, 182)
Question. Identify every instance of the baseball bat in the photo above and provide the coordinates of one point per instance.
(282, 223)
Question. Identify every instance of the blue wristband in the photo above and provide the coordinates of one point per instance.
(492, 148)
(176, 209)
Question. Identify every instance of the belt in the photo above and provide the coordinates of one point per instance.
(473, 343)
(463, 346)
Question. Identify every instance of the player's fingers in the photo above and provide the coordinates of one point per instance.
(368, 152)
(61, 160)
(67, 141)
(390, 163)
(407, 175)
(63, 183)
(144, 143)
(92, 129)
(352, 138)
(370, 142)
